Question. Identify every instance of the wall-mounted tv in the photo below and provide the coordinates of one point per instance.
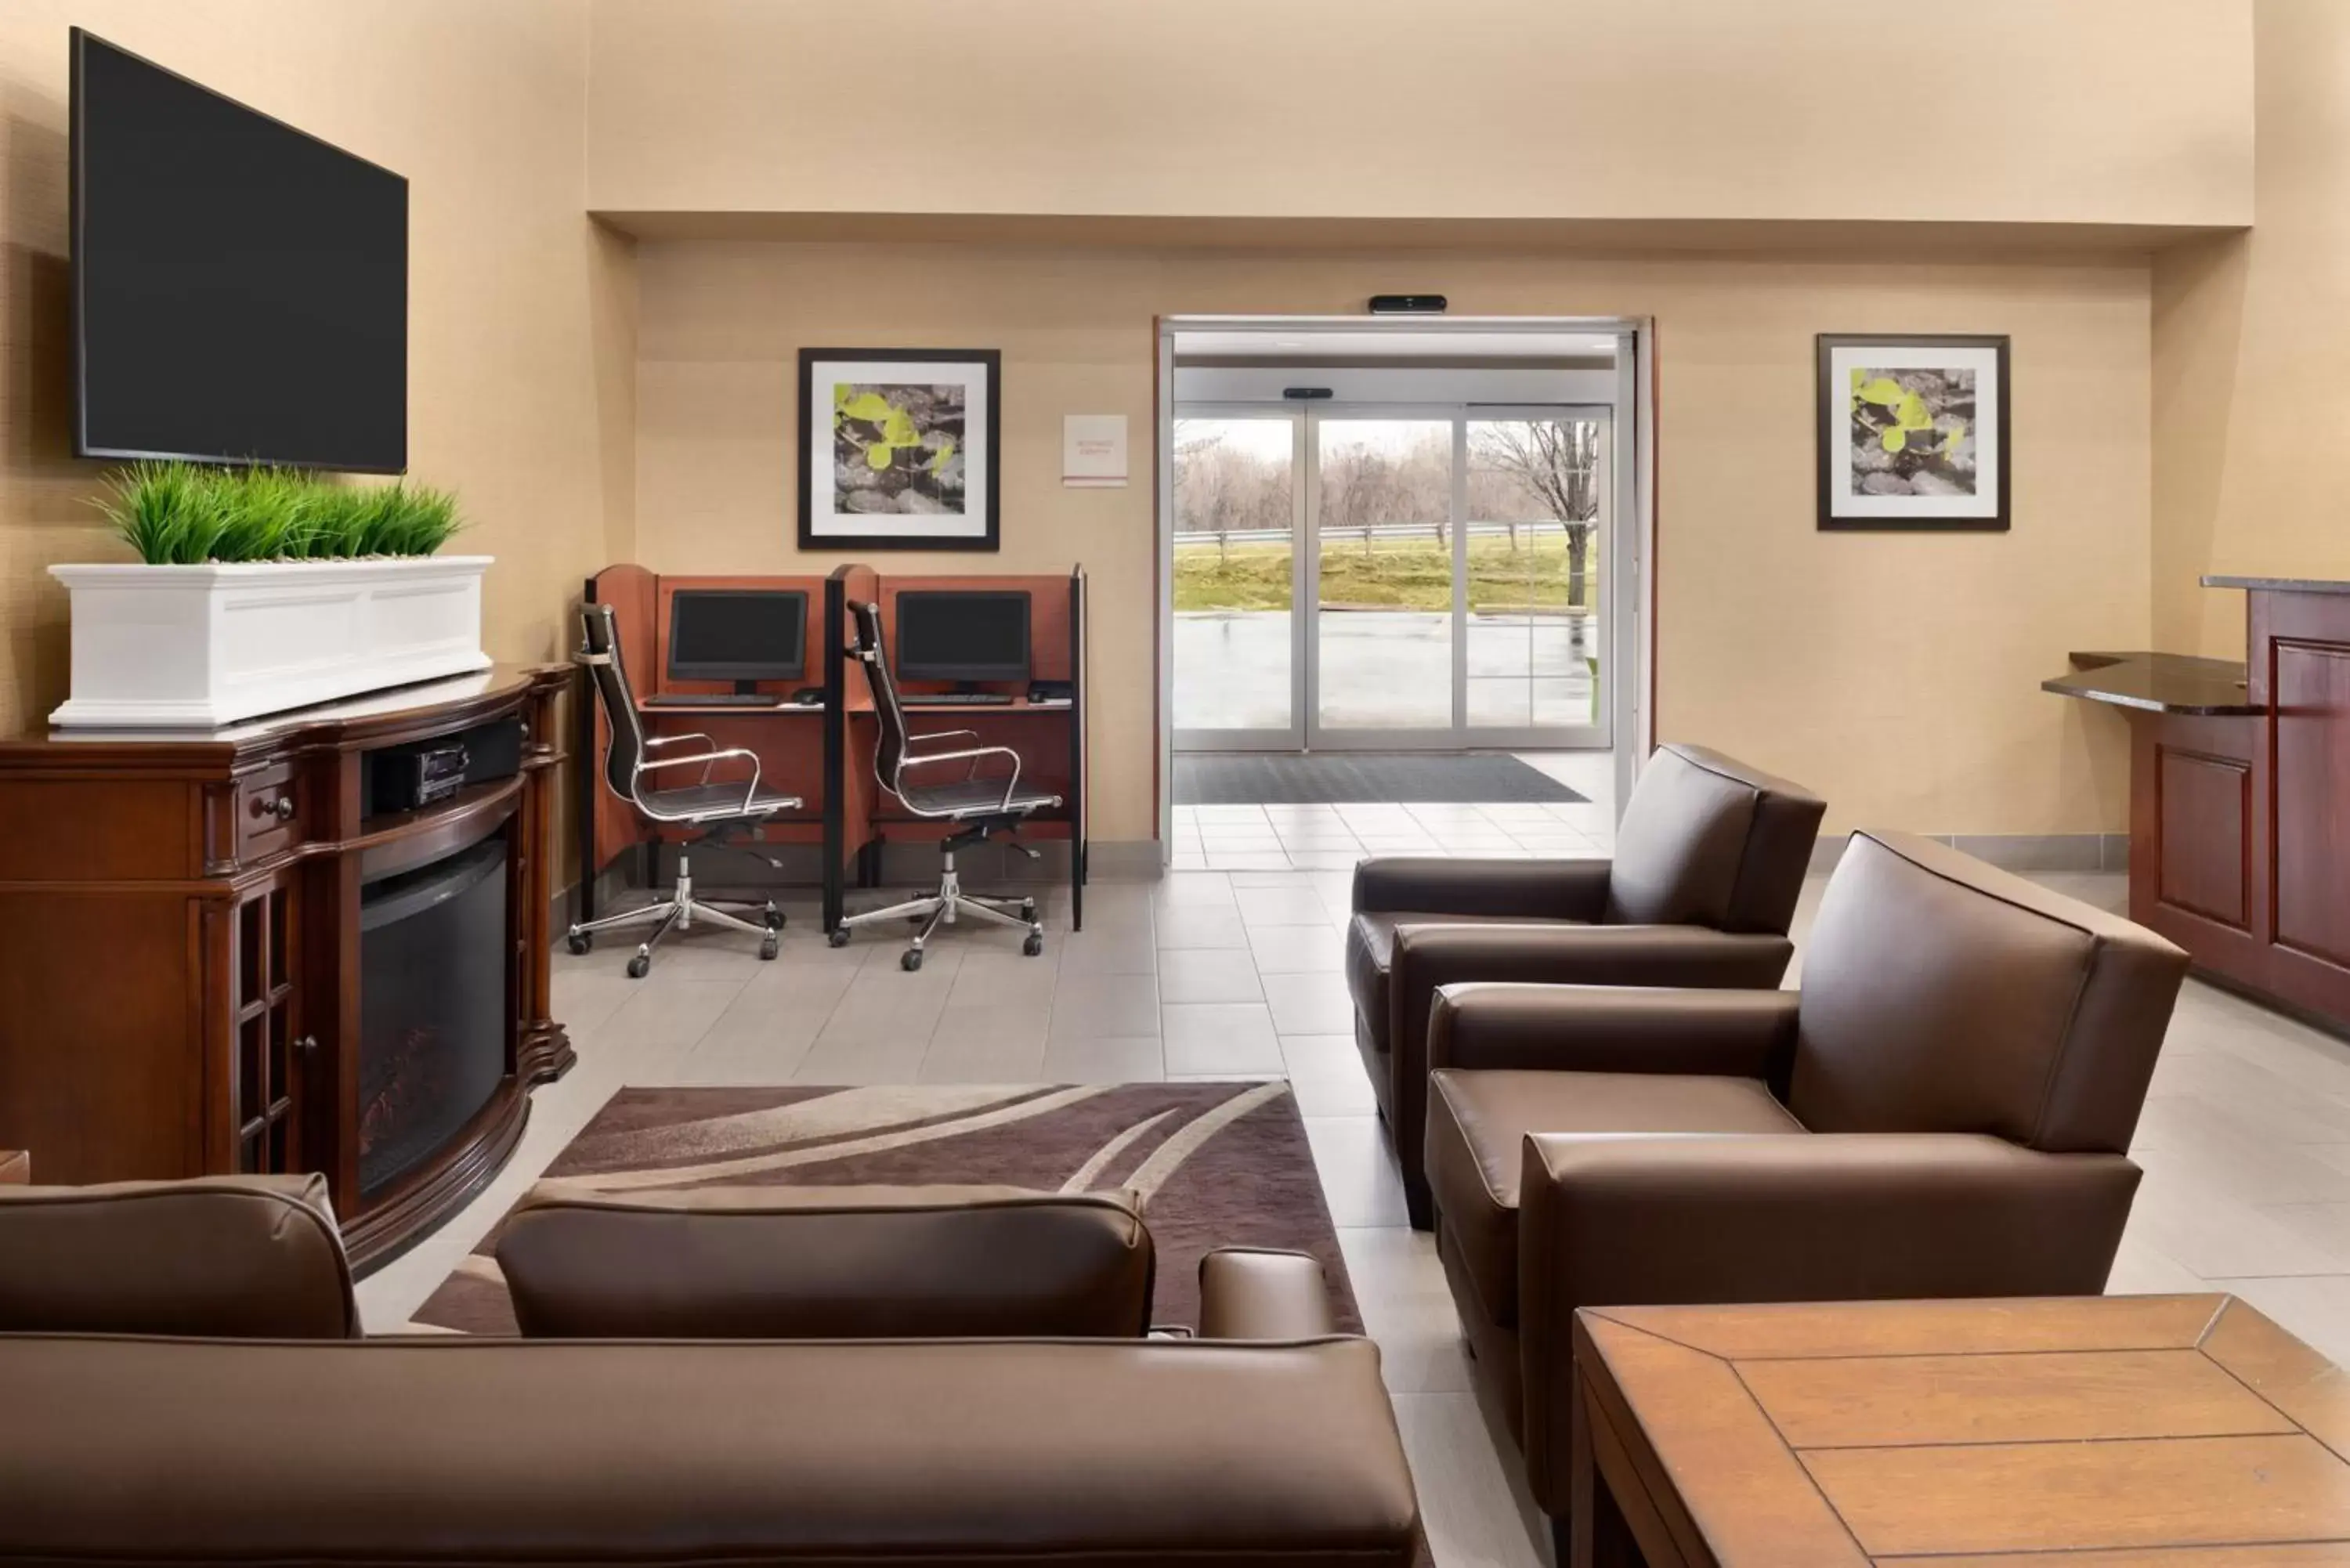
(240, 287)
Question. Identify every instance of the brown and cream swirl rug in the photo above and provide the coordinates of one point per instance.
(1218, 1165)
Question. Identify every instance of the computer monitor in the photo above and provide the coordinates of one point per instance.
(742, 635)
(963, 635)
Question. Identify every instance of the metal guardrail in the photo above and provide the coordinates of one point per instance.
(1426, 531)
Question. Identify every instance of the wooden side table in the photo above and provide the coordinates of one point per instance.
(16, 1167)
(1973, 1434)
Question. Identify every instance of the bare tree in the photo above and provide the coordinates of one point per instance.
(1557, 462)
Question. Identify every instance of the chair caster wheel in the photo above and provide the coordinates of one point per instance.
(1033, 945)
(912, 959)
(837, 936)
(579, 942)
(775, 918)
(770, 948)
(639, 965)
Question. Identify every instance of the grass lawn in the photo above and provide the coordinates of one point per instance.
(1394, 573)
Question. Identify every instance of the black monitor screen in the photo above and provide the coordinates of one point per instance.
(737, 634)
(955, 636)
(240, 287)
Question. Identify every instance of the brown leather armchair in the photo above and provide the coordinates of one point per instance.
(1709, 859)
(1942, 1110)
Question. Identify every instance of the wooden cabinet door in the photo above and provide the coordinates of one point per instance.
(269, 1046)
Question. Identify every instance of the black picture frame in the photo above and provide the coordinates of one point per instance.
(989, 442)
(1832, 432)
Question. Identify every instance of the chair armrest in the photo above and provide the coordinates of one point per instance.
(1837, 1217)
(1531, 889)
(1246, 1292)
(1613, 1029)
(1429, 956)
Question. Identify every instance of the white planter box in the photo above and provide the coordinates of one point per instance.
(193, 646)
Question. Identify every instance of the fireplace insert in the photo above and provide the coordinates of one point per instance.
(433, 1007)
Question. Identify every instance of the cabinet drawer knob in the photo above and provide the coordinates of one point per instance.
(282, 808)
(306, 1044)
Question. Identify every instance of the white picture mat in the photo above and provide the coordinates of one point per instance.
(824, 516)
(1990, 419)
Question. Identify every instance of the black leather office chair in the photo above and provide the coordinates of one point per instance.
(721, 810)
(979, 807)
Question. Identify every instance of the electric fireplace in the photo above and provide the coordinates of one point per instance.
(433, 1007)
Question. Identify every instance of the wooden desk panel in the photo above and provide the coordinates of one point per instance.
(2184, 1430)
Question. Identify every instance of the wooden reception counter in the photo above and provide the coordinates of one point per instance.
(2239, 795)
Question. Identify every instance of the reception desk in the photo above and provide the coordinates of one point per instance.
(2239, 795)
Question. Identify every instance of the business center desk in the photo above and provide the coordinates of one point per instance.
(2239, 795)
(824, 752)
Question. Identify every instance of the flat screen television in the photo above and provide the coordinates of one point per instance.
(240, 287)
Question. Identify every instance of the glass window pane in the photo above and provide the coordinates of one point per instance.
(1384, 618)
(1235, 556)
(1535, 490)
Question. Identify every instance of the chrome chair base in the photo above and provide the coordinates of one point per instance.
(944, 908)
(678, 912)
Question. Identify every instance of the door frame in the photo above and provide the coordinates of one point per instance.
(1631, 639)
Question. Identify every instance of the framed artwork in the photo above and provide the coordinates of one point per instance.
(898, 449)
(1913, 431)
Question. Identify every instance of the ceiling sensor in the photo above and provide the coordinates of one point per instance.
(1408, 305)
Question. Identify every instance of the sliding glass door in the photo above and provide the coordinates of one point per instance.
(1388, 578)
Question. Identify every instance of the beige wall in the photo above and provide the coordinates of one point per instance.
(2251, 341)
(519, 362)
(1898, 674)
(2119, 111)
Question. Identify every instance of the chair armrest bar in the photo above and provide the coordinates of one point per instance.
(1823, 1217)
(1613, 1029)
(1531, 889)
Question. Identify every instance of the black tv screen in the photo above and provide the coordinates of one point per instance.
(240, 287)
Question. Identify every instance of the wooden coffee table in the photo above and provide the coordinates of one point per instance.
(2114, 1431)
(15, 1166)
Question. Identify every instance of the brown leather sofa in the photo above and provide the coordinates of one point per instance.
(212, 1440)
(1709, 859)
(1942, 1110)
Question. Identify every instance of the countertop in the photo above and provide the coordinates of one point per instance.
(2282, 585)
(2157, 684)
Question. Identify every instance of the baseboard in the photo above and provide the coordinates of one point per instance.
(2024, 852)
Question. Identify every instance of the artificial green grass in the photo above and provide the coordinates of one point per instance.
(1394, 573)
(181, 513)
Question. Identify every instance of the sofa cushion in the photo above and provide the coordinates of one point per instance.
(1370, 956)
(816, 1263)
(1477, 1128)
(221, 1257)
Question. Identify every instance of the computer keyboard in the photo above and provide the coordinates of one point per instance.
(710, 700)
(956, 699)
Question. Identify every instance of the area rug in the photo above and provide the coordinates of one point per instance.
(1217, 1164)
(1346, 778)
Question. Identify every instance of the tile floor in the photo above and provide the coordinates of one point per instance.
(2245, 1141)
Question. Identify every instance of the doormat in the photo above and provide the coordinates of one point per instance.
(1341, 778)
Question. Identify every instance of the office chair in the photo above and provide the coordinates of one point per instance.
(720, 811)
(979, 808)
